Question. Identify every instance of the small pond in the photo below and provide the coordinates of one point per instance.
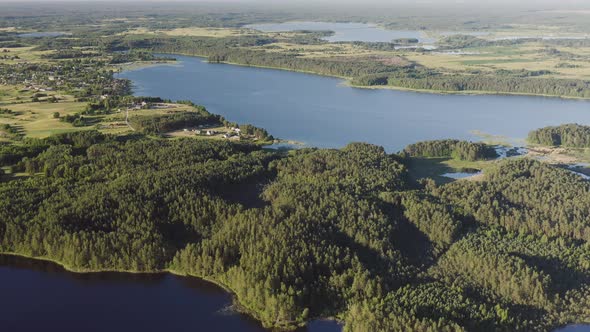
(42, 34)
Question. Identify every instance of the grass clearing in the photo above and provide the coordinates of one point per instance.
(532, 57)
(11, 95)
(318, 51)
(420, 168)
(24, 54)
(36, 119)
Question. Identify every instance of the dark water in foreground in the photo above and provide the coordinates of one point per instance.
(575, 328)
(41, 296)
(322, 112)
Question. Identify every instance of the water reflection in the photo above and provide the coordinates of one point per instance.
(40, 295)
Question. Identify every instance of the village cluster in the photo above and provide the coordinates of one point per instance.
(233, 133)
(81, 79)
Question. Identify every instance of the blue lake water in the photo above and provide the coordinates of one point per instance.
(345, 31)
(459, 175)
(322, 111)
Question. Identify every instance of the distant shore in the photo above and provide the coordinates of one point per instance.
(348, 80)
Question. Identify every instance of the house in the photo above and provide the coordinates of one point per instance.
(137, 106)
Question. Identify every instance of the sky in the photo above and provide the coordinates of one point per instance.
(380, 2)
(530, 4)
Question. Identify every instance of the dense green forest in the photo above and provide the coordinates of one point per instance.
(468, 41)
(567, 135)
(310, 233)
(504, 82)
(461, 150)
(157, 124)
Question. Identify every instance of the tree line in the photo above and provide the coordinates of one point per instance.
(430, 79)
(462, 150)
(567, 135)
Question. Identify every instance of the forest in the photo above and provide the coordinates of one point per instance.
(568, 135)
(461, 150)
(159, 124)
(311, 233)
(503, 82)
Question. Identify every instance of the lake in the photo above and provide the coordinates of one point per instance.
(345, 31)
(39, 295)
(42, 34)
(575, 328)
(323, 112)
(460, 175)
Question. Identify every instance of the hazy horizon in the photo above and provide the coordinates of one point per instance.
(499, 3)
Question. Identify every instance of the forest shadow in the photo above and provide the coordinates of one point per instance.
(557, 270)
(421, 168)
(413, 244)
(247, 193)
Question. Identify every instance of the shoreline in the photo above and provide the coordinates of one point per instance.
(465, 93)
(347, 81)
(117, 68)
(240, 307)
